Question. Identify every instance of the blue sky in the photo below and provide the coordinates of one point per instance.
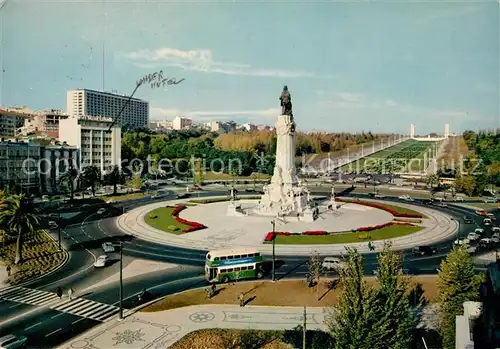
(350, 66)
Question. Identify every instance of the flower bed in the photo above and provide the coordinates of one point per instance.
(193, 226)
(383, 207)
(270, 235)
(315, 232)
(379, 226)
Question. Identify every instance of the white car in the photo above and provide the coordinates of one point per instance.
(496, 237)
(489, 200)
(459, 198)
(111, 202)
(479, 231)
(473, 236)
(52, 225)
(460, 242)
(471, 249)
(10, 341)
(405, 197)
(102, 261)
(487, 221)
(491, 216)
(101, 211)
(331, 263)
(495, 230)
(108, 247)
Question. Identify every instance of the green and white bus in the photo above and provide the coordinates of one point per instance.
(237, 264)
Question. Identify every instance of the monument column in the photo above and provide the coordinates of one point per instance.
(285, 150)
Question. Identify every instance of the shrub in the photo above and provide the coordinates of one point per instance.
(380, 226)
(269, 236)
(153, 216)
(364, 236)
(173, 227)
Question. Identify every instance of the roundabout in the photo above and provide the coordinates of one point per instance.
(225, 231)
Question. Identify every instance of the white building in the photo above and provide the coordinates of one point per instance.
(44, 122)
(249, 127)
(11, 119)
(446, 130)
(96, 144)
(94, 103)
(55, 159)
(19, 165)
(412, 131)
(180, 123)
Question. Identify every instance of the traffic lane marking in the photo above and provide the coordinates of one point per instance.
(51, 333)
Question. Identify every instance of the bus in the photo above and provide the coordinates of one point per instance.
(236, 264)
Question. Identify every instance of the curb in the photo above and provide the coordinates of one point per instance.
(66, 258)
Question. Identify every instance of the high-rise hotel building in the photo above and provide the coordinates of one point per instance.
(94, 103)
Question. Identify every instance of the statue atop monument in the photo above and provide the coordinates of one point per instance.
(286, 102)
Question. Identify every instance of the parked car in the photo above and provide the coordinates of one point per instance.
(405, 197)
(473, 236)
(481, 213)
(491, 216)
(52, 225)
(495, 229)
(496, 237)
(460, 242)
(479, 231)
(108, 247)
(486, 243)
(183, 196)
(468, 220)
(101, 210)
(331, 263)
(102, 261)
(424, 250)
(489, 200)
(10, 341)
(379, 196)
(196, 187)
(458, 198)
(249, 190)
(487, 221)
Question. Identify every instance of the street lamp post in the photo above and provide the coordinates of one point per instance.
(273, 222)
(59, 228)
(120, 316)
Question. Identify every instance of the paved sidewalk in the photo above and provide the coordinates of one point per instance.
(3, 276)
(162, 329)
(437, 227)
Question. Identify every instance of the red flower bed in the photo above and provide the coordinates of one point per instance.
(192, 225)
(177, 210)
(385, 208)
(379, 226)
(269, 236)
(315, 232)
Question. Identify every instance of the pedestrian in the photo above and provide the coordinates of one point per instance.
(8, 270)
(70, 293)
(209, 293)
(214, 288)
(242, 300)
(59, 292)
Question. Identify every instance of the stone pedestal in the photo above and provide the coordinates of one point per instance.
(234, 209)
(285, 196)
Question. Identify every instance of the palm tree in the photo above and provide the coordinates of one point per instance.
(114, 178)
(92, 175)
(69, 177)
(17, 213)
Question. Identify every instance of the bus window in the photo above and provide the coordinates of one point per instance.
(230, 257)
(237, 256)
(223, 258)
(243, 268)
(216, 258)
(244, 256)
(250, 267)
(229, 270)
(236, 269)
(208, 256)
(223, 270)
(257, 254)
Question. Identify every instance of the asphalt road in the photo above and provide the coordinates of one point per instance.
(49, 324)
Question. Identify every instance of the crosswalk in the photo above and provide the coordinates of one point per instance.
(77, 306)
(88, 309)
(28, 296)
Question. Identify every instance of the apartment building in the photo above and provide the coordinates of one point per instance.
(97, 146)
(19, 165)
(179, 123)
(11, 119)
(44, 122)
(85, 102)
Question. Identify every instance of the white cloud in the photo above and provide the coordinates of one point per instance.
(201, 60)
(161, 113)
(391, 103)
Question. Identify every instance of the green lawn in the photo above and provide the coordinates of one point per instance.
(390, 232)
(164, 220)
(398, 209)
(130, 196)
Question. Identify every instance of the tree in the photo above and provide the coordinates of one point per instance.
(432, 180)
(315, 270)
(135, 182)
(457, 282)
(397, 319)
(69, 177)
(351, 322)
(17, 213)
(92, 175)
(114, 177)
